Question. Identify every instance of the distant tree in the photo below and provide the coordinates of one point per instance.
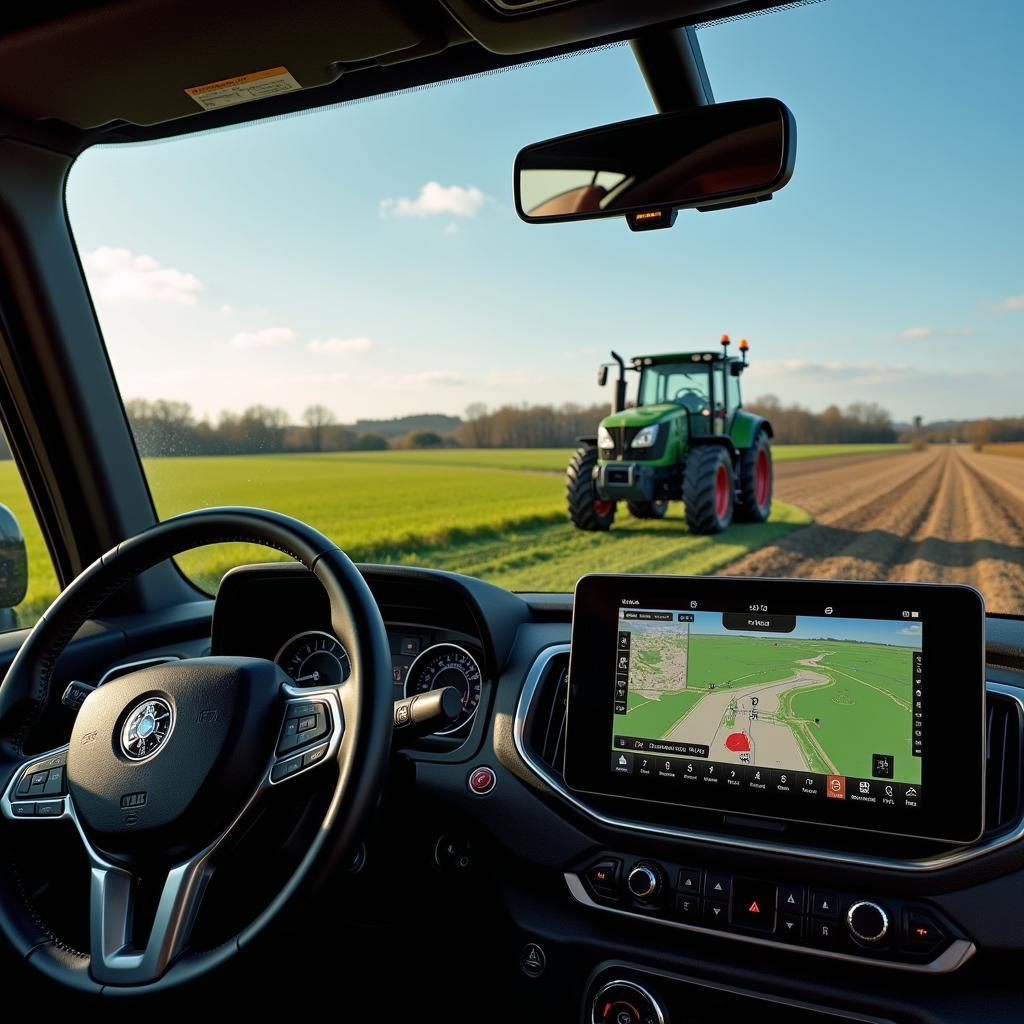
(425, 439)
(316, 417)
(370, 443)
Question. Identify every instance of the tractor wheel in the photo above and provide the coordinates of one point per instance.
(648, 509)
(586, 510)
(756, 478)
(708, 489)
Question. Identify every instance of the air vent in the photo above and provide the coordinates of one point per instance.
(1004, 766)
(545, 726)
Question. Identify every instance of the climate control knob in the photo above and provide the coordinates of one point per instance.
(867, 922)
(625, 1002)
(645, 880)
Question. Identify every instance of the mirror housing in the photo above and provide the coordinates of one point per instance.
(602, 376)
(708, 157)
(13, 567)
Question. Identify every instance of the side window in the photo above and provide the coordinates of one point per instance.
(733, 392)
(27, 580)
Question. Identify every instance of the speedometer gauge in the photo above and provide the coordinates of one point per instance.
(315, 659)
(447, 665)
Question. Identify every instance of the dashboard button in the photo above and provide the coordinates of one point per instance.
(753, 905)
(716, 914)
(645, 880)
(791, 928)
(604, 877)
(718, 886)
(689, 880)
(921, 934)
(791, 899)
(867, 922)
(825, 904)
(824, 934)
(482, 780)
(410, 646)
(687, 907)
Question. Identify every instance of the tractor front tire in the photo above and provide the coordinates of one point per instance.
(756, 481)
(586, 510)
(708, 489)
(648, 509)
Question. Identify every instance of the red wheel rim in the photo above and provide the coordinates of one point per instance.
(722, 487)
(603, 509)
(762, 479)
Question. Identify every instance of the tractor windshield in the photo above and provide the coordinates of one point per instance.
(680, 383)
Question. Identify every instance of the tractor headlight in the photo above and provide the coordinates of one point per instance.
(646, 438)
(605, 439)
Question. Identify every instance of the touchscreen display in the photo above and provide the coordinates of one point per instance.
(859, 705)
(827, 707)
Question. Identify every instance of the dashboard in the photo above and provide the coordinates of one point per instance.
(584, 901)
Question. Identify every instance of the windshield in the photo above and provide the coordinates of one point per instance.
(681, 385)
(340, 316)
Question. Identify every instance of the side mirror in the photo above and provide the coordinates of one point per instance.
(720, 155)
(602, 376)
(736, 369)
(13, 568)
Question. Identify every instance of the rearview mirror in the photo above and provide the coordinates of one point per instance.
(725, 154)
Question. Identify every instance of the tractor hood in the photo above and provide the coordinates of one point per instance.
(644, 416)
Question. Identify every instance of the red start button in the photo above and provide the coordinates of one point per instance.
(482, 780)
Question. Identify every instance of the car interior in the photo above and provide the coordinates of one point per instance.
(405, 791)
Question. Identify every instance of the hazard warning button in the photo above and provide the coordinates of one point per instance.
(753, 905)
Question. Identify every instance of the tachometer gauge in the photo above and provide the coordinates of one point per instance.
(447, 665)
(315, 659)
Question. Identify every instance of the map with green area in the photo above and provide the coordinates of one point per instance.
(824, 704)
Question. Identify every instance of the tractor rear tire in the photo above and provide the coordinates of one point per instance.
(648, 509)
(586, 510)
(756, 481)
(708, 489)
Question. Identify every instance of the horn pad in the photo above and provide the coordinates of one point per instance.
(170, 753)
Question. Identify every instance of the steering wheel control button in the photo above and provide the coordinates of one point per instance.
(604, 877)
(285, 769)
(921, 934)
(867, 922)
(49, 808)
(482, 780)
(753, 905)
(75, 694)
(23, 809)
(532, 960)
(314, 756)
(645, 880)
(306, 722)
(825, 904)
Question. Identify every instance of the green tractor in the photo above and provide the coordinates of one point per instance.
(687, 439)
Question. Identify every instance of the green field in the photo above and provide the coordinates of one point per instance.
(495, 513)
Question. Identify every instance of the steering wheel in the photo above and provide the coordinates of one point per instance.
(165, 764)
(700, 400)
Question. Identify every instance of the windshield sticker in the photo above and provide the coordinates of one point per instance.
(229, 92)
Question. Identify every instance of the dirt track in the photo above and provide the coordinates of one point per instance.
(945, 515)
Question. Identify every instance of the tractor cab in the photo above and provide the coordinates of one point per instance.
(687, 438)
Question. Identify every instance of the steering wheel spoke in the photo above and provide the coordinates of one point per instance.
(112, 902)
(312, 728)
(38, 788)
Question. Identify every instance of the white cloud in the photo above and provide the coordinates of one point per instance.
(915, 333)
(340, 345)
(434, 199)
(912, 630)
(267, 337)
(225, 308)
(1011, 303)
(429, 378)
(119, 275)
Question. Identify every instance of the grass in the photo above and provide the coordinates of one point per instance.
(498, 514)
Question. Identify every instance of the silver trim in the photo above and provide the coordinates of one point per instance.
(955, 956)
(623, 983)
(867, 938)
(479, 672)
(937, 862)
(124, 667)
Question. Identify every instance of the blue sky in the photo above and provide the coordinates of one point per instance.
(809, 627)
(309, 260)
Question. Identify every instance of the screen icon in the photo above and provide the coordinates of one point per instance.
(882, 766)
(835, 787)
(828, 610)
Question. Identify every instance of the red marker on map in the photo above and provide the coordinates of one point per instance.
(738, 742)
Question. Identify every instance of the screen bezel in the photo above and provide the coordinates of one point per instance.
(952, 784)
